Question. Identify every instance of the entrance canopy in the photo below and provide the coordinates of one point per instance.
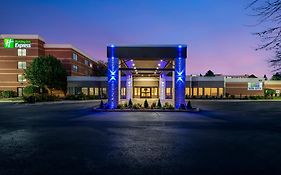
(147, 51)
(147, 60)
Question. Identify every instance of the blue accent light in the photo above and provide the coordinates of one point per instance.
(179, 79)
(111, 45)
(113, 68)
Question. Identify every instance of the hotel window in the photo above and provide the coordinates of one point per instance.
(91, 65)
(200, 91)
(207, 91)
(214, 91)
(154, 92)
(74, 57)
(91, 91)
(85, 91)
(21, 78)
(104, 91)
(194, 92)
(168, 92)
(123, 93)
(96, 91)
(187, 91)
(21, 65)
(75, 68)
(21, 52)
(86, 62)
(220, 91)
(136, 91)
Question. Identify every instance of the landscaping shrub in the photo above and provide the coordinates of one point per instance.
(159, 106)
(101, 104)
(130, 105)
(188, 106)
(40, 98)
(31, 89)
(232, 96)
(153, 105)
(145, 105)
(8, 94)
(168, 106)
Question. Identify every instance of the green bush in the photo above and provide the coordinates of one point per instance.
(232, 96)
(130, 105)
(40, 98)
(31, 89)
(189, 106)
(8, 94)
(145, 104)
(153, 105)
(168, 106)
(159, 105)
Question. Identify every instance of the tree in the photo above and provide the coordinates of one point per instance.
(145, 105)
(276, 76)
(265, 77)
(268, 12)
(252, 76)
(209, 74)
(100, 69)
(47, 72)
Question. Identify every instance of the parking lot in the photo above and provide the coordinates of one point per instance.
(226, 137)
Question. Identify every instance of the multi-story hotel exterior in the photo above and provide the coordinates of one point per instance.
(18, 51)
(139, 78)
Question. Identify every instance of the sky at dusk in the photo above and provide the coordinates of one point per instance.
(218, 33)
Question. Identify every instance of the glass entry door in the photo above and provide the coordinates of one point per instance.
(145, 92)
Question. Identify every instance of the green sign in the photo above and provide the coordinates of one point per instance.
(11, 43)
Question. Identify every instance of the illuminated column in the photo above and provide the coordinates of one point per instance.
(162, 86)
(129, 83)
(179, 79)
(113, 80)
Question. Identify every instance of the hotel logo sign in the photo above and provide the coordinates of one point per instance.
(255, 86)
(11, 43)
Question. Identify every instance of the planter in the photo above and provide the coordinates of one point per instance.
(146, 110)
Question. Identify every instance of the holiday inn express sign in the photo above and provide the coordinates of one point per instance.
(11, 43)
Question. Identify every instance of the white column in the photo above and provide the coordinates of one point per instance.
(162, 86)
(129, 86)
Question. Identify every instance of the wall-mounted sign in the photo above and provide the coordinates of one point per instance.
(11, 43)
(257, 86)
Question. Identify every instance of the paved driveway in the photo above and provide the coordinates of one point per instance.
(225, 138)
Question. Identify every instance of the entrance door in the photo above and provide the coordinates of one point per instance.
(145, 92)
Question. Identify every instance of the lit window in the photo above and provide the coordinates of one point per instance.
(85, 91)
(214, 91)
(21, 52)
(74, 56)
(200, 91)
(96, 91)
(91, 65)
(207, 91)
(168, 91)
(91, 91)
(194, 92)
(123, 91)
(75, 68)
(21, 65)
(21, 78)
(187, 91)
(220, 91)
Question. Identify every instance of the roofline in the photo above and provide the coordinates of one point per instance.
(67, 46)
(22, 36)
(149, 45)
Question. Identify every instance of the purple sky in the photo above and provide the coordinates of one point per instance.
(217, 32)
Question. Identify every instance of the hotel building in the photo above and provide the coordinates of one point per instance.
(18, 51)
(136, 72)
